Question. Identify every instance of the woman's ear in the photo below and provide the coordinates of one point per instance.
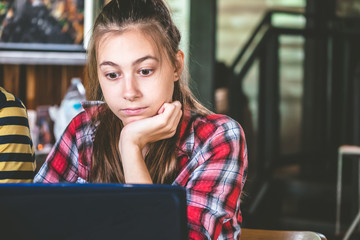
(179, 65)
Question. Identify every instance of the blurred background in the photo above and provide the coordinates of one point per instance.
(287, 70)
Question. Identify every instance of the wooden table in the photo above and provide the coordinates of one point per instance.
(259, 234)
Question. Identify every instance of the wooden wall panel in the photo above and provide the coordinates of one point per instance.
(30, 87)
(39, 85)
(12, 79)
(1, 75)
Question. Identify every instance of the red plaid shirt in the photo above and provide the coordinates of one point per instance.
(212, 159)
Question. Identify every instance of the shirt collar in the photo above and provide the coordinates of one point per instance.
(92, 107)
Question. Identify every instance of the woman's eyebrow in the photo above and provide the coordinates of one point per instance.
(144, 58)
(108, 63)
(137, 61)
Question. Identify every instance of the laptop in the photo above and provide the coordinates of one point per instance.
(92, 211)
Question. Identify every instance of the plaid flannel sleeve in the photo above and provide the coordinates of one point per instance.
(61, 164)
(215, 186)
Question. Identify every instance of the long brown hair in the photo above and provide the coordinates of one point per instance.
(152, 17)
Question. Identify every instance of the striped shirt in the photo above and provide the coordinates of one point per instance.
(212, 167)
(17, 159)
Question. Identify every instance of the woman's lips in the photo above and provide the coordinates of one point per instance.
(133, 111)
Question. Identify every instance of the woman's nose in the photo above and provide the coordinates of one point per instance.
(130, 89)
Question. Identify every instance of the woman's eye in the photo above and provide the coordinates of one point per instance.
(112, 76)
(145, 72)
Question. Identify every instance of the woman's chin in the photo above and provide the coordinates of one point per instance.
(132, 119)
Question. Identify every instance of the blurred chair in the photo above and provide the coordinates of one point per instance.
(350, 151)
(260, 234)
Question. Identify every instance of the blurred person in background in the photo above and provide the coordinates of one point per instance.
(17, 158)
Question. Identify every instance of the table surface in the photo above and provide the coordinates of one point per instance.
(258, 234)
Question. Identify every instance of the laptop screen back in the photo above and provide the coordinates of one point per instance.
(92, 211)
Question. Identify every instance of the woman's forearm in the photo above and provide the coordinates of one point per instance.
(135, 169)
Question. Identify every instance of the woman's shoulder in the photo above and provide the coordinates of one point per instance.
(205, 126)
(87, 115)
(92, 108)
(216, 120)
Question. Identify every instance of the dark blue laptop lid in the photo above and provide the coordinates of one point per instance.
(92, 211)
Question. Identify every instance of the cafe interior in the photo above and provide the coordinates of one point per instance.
(287, 70)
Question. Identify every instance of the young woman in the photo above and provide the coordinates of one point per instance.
(143, 125)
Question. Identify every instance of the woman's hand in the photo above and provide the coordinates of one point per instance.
(148, 130)
(136, 135)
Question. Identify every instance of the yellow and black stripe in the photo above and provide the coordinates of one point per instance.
(17, 159)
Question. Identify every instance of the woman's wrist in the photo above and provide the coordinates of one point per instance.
(132, 158)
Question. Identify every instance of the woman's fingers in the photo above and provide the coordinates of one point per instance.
(168, 120)
(159, 127)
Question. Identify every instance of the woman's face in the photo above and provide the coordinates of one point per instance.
(133, 79)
